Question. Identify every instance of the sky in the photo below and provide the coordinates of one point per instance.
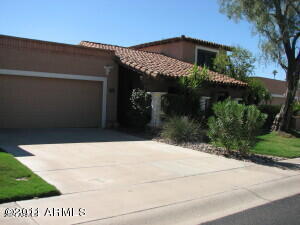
(128, 22)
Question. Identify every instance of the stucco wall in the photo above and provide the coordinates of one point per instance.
(30, 55)
(182, 50)
(173, 49)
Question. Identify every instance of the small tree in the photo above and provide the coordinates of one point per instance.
(195, 79)
(239, 64)
(277, 22)
(234, 125)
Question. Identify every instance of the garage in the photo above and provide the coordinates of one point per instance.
(54, 85)
(32, 102)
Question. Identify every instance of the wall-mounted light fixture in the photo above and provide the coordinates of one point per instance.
(108, 69)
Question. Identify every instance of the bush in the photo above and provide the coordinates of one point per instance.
(181, 129)
(139, 114)
(271, 111)
(296, 108)
(234, 125)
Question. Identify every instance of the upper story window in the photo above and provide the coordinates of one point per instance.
(205, 56)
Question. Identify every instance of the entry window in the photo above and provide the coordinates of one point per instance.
(204, 103)
(205, 57)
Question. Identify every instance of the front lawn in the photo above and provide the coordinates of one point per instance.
(17, 182)
(276, 145)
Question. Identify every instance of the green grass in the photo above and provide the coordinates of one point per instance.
(12, 189)
(276, 145)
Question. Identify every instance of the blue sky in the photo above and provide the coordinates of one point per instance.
(127, 22)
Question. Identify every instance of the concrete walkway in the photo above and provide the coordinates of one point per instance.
(112, 178)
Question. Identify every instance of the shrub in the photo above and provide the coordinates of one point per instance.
(234, 125)
(140, 109)
(195, 79)
(296, 108)
(271, 111)
(181, 129)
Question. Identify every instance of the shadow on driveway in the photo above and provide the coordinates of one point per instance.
(11, 139)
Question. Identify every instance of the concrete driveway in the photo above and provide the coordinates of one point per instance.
(120, 179)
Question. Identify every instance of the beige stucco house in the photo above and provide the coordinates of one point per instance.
(47, 84)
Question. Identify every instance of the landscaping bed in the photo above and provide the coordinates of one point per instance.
(154, 134)
(208, 148)
(17, 182)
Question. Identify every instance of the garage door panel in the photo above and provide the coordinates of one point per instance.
(33, 102)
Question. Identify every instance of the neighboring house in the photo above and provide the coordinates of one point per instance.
(47, 84)
(277, 89)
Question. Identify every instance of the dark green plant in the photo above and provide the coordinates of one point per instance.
(234, 125)
(296, 108)
(257, 92)
(195, 79)
(140, 108)
(181, 129)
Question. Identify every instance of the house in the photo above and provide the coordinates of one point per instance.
(48, 84)
(277, 89)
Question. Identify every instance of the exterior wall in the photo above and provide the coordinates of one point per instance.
(189, 52)
(39, 56)
(182, 50)
(158, 84)
(173, 49)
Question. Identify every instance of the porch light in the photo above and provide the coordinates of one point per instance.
(108, 69)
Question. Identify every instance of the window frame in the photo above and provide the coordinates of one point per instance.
(198, 47)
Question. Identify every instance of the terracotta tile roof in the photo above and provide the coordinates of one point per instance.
(183, 38)
(156, 64)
